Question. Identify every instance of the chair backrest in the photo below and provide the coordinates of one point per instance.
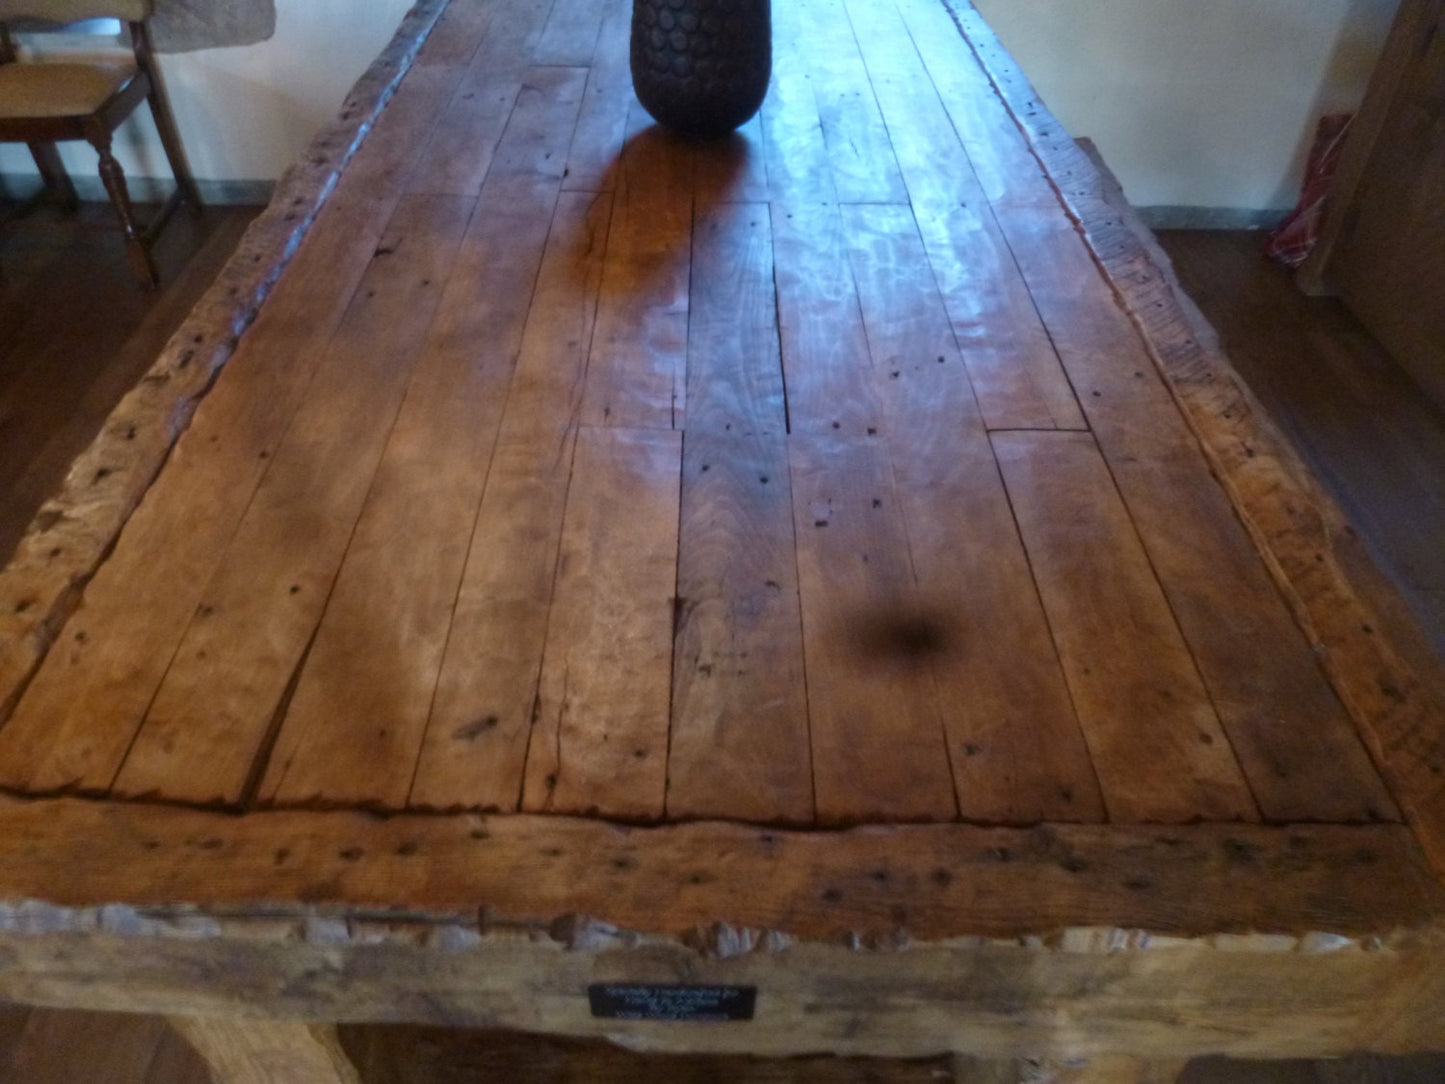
(72, 11)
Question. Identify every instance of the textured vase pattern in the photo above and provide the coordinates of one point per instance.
(701, 67)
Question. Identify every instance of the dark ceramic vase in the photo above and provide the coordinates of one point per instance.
(701, 67)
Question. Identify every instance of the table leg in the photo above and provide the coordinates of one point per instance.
(241, 1051)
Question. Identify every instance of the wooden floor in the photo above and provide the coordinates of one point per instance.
(1369, 432)
(77, 332)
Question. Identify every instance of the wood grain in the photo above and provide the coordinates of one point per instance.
(880, 752)
(570, 36)
(1156, 741)
(459, 31)
(950, 881)
(864, 170)
(260, 609)
(1003, 164)
(599, 742)
(476, 739)
(459, 153)
(1017, 752)
(240, 1051)
(355, 724)
(78, 529)
(1214, 577)
(1392, 691)
(794, 151)
(561, 672)
(1015, 370)
(1020, 382)
(739, 741)
(602, 123)
(101, 687)
(356, 721)
(635, 374)
(826, 365)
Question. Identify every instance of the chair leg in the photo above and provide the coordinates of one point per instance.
(160, 104)
(113, 177)
(171, 141)
(52, 173)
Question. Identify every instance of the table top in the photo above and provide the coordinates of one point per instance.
(837, 528)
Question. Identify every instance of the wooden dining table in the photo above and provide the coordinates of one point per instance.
(818, 590)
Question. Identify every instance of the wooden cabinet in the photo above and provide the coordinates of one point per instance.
(1383, 246)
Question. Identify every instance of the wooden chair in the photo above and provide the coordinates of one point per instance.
(53, 99)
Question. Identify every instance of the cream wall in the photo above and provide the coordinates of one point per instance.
(1197, 103)
(247, 113)
(1194, 103)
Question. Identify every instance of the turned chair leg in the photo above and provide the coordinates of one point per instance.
(113, 177)
(160, 104)
(52, 173)
(175, 152)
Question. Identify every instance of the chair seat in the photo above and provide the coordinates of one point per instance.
(60, 89)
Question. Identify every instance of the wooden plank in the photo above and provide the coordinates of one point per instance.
(732, 169)
(739, 742)
(476, 738)
(1079, 886)
(83, 709)
(931, 159)
(569, 38)
(81, 525)
(600, 737)
(879, 747)
(257, 615)
(1157, 744)
(1019, 380)
(458, 33)
(355, 724)
(360, 709)
(795, 153)
(458, 155)
(826, 365)
(162, 756)
(1276, 706)
(602, 126)
(1015, 370)
(1006, 170)
(540, 128)
(1394, 693)
(241, 1051)
(1017, 751)
(635, 375)
(1333, 931)
(864, 169)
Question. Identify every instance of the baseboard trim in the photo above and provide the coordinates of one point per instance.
(1177, 217)
(149, 189)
